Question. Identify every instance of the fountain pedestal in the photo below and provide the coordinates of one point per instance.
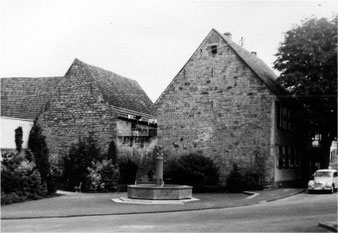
(159, 171)
(159, 191)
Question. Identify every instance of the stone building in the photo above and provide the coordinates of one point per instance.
(87, 100)
(225, 103)
(22, 100)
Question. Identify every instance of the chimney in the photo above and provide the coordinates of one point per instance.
(254, 53)
(228, 34)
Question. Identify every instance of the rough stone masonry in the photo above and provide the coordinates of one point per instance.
(217, 106)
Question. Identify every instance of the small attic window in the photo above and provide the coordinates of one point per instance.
(214, 49)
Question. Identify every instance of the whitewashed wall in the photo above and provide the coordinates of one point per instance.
(8, 126)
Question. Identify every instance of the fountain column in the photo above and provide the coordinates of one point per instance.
(159, 170)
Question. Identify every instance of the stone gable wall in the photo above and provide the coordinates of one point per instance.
(75, 110)
(217, 106)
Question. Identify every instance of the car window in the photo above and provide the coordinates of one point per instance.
(335, 174)
(322, 174)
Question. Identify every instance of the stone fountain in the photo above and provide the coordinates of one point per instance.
(159, 190)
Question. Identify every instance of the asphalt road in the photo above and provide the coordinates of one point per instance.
(299, 213)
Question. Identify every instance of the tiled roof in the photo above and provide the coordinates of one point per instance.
(25, 98)
(257, 65)
(119, 91)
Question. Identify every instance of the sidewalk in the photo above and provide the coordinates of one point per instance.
(68, 204)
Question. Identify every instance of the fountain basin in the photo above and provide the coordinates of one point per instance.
(153, 192)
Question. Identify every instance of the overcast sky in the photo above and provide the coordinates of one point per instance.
(148, 41)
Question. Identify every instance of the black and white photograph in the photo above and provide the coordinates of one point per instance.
(169, 116)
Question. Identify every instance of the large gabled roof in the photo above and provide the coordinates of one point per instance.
(258, 66)
(123, 93)
(25, 98)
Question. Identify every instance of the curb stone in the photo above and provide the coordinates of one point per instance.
(252, 194)
(287, 195)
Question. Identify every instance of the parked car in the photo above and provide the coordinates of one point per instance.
(324, 180)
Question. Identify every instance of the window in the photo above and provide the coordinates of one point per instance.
(284, 156)
(287, 157)
(214, 49)
(134, 125)
(316, 139)
(153, 132)
(279, 157)
(290, 157)
(299, 156)
(295, 153)
(322, 174)
(285, 118)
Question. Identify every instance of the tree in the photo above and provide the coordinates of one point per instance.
(37, 144)
(307, 60)
(112, 152)
(78, 162)
(18, 139)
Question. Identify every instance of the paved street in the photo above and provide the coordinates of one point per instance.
(299, 213)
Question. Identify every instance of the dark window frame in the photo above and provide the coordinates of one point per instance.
(285, 117)
(288, 156)
(214, 49)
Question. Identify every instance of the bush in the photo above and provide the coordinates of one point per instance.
(55, 179)
(128, 170)
(77, 163)
(20, 180)
(104, 176)
(18, 138)
(235, 182)
(200, 188)
(250, 177)
(192, 169)
(10, 198)
(112, 153)
(38, 146)
(10, 177)
(238, 181)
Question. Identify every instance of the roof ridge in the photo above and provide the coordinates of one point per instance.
(28, 77)
(103, 69)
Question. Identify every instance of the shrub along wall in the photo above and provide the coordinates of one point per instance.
(27, 174)
(85, 164)
(20, 180)
(247, 178)
(195, 170)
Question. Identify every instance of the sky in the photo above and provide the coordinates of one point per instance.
(145, 40)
